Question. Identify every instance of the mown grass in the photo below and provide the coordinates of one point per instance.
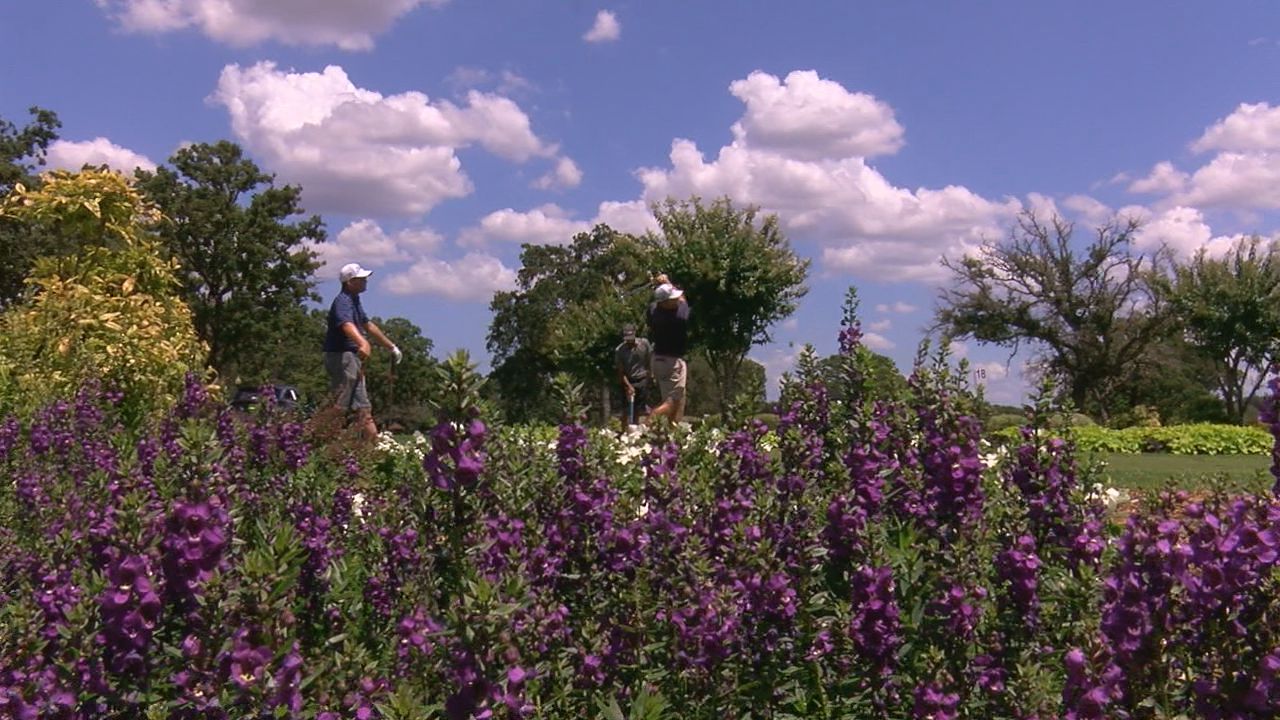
(1156, 471)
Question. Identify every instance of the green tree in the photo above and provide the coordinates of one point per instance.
(704, 393)
(1094, 313)
(244, 265)
(1229, 309)
(1172, 379)
(739, 273)
(885, 381)
(291, 355)
(21, 155)
(402, 394)
(564, 316)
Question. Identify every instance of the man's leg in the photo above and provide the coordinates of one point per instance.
(365, 424)
(662, 368)
(330, 417)
(363, 408)
(644, 398)
(680, 380)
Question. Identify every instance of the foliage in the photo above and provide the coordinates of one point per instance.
(866, 563)
(703, 394)
(1191, 439)
(244, 265)
(1093, 312)
(459, 390)
(21, 155)
(22, 151)
(1172, 384)
(401, 392)
(1230, 310)
(292, 356)
(565, 315)
(110, 312)
(738, 271)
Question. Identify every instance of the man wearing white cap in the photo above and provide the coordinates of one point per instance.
(346, 348)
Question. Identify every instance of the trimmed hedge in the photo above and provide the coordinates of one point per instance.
(1191, 439)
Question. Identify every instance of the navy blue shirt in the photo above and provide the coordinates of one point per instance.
(669, 330)
(346, 308)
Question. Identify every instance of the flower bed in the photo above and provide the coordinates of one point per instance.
(861, 561)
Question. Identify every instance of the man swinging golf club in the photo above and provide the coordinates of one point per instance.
(669, 332)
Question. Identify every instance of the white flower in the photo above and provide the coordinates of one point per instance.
(357, 505)
(1110, 497)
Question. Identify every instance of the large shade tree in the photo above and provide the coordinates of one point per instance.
(739, 272)
(564, 316)
(1092, 311)
(1229, 309)
(241, 242)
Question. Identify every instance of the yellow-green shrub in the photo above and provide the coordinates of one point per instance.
(109, 311)
(1191, 439)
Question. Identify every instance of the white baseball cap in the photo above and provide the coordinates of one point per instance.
(352, 270)
(667, 291)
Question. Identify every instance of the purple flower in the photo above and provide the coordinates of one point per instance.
(932, 703)
(875, 628)
(1269, 415)
(1019, 568)
(196, 537)
(130, 611)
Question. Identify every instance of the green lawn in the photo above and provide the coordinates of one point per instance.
(1154, 471)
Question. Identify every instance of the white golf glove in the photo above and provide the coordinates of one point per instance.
(395, 352)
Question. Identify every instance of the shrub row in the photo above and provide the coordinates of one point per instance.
(1193, 439)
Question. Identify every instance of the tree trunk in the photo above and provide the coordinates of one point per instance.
(726, 368)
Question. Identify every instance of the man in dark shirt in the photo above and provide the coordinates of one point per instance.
(631, 359)
(669, 334)
(346, 348)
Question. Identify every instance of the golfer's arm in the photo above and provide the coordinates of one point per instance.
(353, 333)
(376, 333)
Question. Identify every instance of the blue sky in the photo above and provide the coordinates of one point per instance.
(434, 136)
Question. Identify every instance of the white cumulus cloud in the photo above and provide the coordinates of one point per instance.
(902, 308)
(1183, 230)
(364, 241)
(1242, 174)
(73, 155)
(1091, 210)
(356, 151)
(565, 174)
(342, 23)
(606, 28)
(473, 277)
(876, 341)
(1236, 180)
(1250, 128)
(806, 167)
(551, 224)
(545, 225)
(1163, 178)
(806, 117)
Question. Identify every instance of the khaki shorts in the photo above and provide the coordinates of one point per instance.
(346, 382)
(672, 376)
